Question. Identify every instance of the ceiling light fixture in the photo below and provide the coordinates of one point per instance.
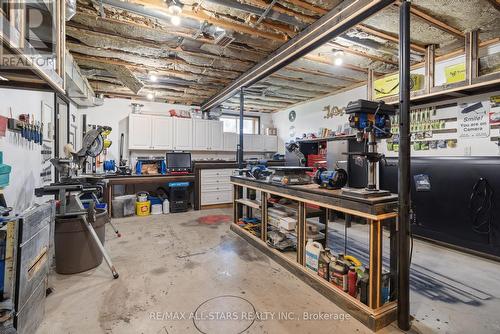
(174, 8)
(337, 57)
(175, 20)
(153, 78)
(150, 96)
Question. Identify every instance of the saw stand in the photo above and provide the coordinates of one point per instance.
(69, 196)
(372, 157)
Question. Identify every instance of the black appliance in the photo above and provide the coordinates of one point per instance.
(178, 162)
(442, 199)
(178, 196)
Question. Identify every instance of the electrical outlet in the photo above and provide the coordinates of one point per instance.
(468, 151)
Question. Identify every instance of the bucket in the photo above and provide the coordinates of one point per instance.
(75, 249)
(142, 208)
(142, 197)
(156, 209)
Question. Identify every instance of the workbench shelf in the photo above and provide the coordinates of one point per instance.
(375, 314)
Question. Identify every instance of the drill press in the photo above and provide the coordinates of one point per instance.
(372, 120)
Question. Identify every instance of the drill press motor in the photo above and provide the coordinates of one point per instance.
(330, 179)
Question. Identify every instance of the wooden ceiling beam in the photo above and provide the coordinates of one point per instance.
(362, 54)
(389, 37)
(323, 74)
(434, 22)
(91, 61)
(324, 60)
(263, 5)
(202, 15)
(308, 6)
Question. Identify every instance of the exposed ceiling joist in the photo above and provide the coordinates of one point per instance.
(389, 37)
(434, 21)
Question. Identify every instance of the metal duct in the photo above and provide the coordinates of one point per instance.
(70, 9)
(271, 14)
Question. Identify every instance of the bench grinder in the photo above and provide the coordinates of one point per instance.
(372, 120)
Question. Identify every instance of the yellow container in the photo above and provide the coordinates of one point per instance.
(389, 85)
(142, 208)
(455, 73)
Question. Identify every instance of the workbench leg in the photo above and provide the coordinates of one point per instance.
(301, 233)
(237, 207)
(374, 287)
(263, 212)
(327, 218)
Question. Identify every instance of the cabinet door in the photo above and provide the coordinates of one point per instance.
(161, 129)
(183, 134)
(258, 143)
(230, 141)
(139, 132)
(248, 143)
(271, 143)
(216, 136)
(201, 131)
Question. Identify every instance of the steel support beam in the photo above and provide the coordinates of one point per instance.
(340, 19)
(430, 62)
(471, 56)
(403, 313)
(240, 144)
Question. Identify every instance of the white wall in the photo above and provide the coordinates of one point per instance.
(310, 117)
(25, 158)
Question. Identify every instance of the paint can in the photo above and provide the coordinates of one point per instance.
(324, 264)
(142, 208)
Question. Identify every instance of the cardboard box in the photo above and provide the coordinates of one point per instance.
(454, 73)
(288, 223)
(389, 85)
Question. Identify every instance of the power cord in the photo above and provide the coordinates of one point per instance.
(480, 206)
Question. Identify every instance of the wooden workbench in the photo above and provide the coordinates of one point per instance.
(377, 211)
(113, 180)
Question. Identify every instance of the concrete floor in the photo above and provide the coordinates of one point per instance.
(172, 266)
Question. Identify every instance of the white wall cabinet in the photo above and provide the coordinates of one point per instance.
(271, 143)
(216, 136)
(183, 134)
(231, 141)
(147, 132)
(208, 135)
(162, 132)
(139, 132)
(201, 134)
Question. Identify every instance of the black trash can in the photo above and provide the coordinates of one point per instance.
(75, 249)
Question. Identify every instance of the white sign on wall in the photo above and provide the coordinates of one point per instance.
(473, 121)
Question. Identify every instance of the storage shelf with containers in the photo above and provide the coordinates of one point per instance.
(289, 224)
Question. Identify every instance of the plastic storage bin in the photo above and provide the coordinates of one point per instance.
(123, 206)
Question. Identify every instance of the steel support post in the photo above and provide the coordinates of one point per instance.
(240, 145)
(403, 313)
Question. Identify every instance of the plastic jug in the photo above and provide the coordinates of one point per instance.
(324, 263)
(313, 250)
(166, 206)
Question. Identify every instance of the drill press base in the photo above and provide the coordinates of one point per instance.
(364, 193)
